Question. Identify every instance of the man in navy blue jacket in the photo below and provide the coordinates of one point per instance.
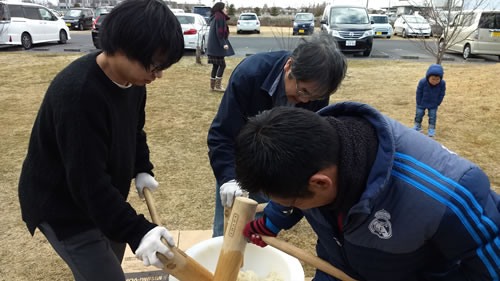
(304, 78)
(430, 93)
(386, 202)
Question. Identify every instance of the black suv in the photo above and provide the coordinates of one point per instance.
(79, 18)
(95, 29)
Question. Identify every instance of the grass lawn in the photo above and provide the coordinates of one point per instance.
(180, 109)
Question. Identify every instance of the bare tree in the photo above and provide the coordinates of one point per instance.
(447, 18)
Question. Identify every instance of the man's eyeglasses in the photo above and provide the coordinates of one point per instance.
(301, 93)
(156, 67)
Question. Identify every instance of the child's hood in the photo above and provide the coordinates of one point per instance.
(435, 69)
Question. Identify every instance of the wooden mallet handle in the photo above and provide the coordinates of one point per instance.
(181, 266)
(306, 257)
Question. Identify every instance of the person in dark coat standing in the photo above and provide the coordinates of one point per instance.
(218, 45)
(305, 77)
(88, 142)
(430, 93)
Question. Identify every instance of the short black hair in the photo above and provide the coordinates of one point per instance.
(219, 6)
(141, 28)
(278, 151)
(319, 59)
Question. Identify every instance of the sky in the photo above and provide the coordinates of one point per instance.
(494, 4)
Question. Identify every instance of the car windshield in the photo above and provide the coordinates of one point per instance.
(348, 16)
(185, 19)
(304, 17)
(204, 11)
(379, 19)
(74, 13)
(415, 20)
(248, 17)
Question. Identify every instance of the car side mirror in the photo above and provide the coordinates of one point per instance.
(323, 22)
(372, 22)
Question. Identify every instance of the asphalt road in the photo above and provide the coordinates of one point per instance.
(383, 49)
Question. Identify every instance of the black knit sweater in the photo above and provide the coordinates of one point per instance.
(86, 145)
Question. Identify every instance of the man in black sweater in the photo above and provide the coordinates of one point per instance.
(88, 143)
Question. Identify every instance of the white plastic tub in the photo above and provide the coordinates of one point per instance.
(262, 261)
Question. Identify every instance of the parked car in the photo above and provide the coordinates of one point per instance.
(381, 26)
(203, 11)
(412, 25)
(79, 18)
(102, 9)
(248, 22)
(303, 23)
(26, 24)
(95, 29)
(350, 27)
(177, 11)
(478, 33)
(195, 30)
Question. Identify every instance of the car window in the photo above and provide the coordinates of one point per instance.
(101, 18)
(304, 17)
(32, 13)
(379, 19)
(348, 16)
(74, 13)
(490, 20)
(248, 17)
(415, 20)
(203, 11)
(16, 11)
(464, 19)
(185, 19)
(4, 12)
(46, 15)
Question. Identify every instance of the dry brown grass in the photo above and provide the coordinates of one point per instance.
(179, 112)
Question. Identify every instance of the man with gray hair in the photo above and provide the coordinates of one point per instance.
(305, 77)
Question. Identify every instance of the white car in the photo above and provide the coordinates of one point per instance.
(195, 30)
(381, 26)
(412, 25)
(26, 24)
(248, 22)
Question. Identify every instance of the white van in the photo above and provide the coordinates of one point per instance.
(26, 24)
(478, 33)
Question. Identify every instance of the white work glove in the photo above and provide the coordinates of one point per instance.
(151, 244)
(145, 180)
(229, 191)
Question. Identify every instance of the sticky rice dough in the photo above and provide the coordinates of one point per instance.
(251, 276)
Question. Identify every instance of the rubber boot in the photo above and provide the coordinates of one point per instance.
(212, 84)
(417, 127)
(218, 85)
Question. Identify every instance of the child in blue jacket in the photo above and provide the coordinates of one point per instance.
(430, 94)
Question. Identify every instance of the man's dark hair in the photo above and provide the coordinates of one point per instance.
(141, 28)
(319, 59)
(218, 7)
(278, 151)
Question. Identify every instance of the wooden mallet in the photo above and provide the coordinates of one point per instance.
(181, 266)
(233, 247)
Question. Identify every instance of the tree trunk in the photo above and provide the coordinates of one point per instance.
(198, 55)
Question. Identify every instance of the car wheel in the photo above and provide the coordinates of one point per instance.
(63, 38)
(238, 31)
(467, 51)
(404, 33)
(26, 41)
(258, 31)
(367, 52)
(388, 37)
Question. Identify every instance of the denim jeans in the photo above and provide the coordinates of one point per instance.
(218, 229)
(90, 255)
(420, 112)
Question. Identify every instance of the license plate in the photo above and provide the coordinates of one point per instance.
(495, 34)
(378, 33)
(301, 30)
(68, 24)
(350, 43)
